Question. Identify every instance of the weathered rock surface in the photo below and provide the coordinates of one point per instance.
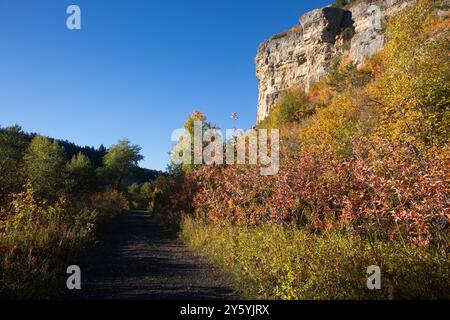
(302, 55)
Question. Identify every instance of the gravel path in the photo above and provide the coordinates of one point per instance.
(137, 260)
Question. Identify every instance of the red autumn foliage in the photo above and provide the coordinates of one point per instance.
(391, 192)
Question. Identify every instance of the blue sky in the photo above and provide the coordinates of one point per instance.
(136, 69)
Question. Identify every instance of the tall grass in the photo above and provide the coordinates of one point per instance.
(274, 262)
(39, 241)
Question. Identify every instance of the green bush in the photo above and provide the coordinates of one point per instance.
(293, 107)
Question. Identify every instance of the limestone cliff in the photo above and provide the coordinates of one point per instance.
(303, 54)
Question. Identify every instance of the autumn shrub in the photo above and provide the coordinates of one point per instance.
(412, 90)
(383, 188)
(38, 241)
(333, 129)
(107, 205)
(363, 180)
(343, 74)
(170, 197)
(395, 127)
(272, 262)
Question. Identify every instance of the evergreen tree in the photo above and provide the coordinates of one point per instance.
(102, 150)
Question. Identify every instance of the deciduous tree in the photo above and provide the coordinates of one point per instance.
(45, 166)
(121, 161)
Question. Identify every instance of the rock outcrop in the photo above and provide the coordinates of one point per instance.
(302, 55)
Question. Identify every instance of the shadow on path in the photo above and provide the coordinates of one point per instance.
(137, 260)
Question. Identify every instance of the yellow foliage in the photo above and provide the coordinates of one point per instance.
(413, 89)
(333, 128)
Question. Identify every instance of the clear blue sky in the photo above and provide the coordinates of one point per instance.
(136, 69)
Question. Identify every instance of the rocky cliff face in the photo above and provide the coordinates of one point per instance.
(302, 55)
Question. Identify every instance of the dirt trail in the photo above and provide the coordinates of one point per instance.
(138, 260)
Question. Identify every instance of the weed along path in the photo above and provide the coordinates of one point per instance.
(137, 260)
